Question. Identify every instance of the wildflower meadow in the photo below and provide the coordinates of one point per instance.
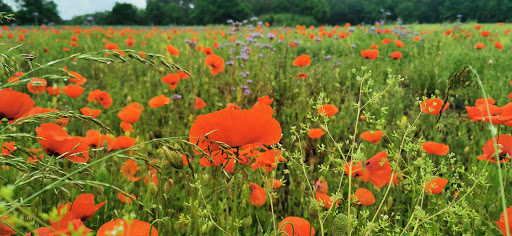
(248, 128)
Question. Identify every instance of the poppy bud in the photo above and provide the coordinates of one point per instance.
(207, 228)
(168, 185)
(466, 149)
(390, 202)
(313, 208)
(235, 185)
(340, 225)
(98, 190)
(247, 222)
(175, 158)
(152, 188)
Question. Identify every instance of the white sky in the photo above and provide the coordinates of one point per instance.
(69, 8)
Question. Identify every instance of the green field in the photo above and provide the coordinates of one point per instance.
(440, 61)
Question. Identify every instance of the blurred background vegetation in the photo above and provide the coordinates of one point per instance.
(276, 12)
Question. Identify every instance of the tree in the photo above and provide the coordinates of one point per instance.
(124, 14)
(37, 12)
(218, 11)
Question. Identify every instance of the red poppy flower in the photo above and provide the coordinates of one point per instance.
(435, 148)
(357, 169)
(216, 64)
(207, 51)
(504, 144)
(267, 160)
(111, 46)
(433, 106)
(372, 136)
(153, 176)
(379, 169)
(36, 86)
(131, 113)
(83, 207)
(57, 142)
(485, 33)
(503, 225)
(396, 55)
(16, 77)
(53, 90)
(90, 112)
(77, 78)
(232, 106)
(479, 46)
(130, 42)
(316, 133)
(374, 46)
(127, 228)
(199, 104)
(183, 75)
(477, 27)
(370, 54)
(436, 185)
(296, 226)
(73, 91)
(65, 227)
(364, 197)
(498, 45)
(496, 115)
(302, 60)
(125, 199)
(327, 110)
(129, 169)
(7, 148)
(101, 97)
(159, 101)
(399, 43)
(387, 41)
(4, 229)
(123, 142)
(258, 196)
(14, 105)
(97, 140)
(172, 50)
(275, 183)
(265, 100)
(301, 75)
(235, 128)
(172, 80)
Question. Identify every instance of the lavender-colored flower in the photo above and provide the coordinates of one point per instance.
(328, 57)
(317, 40)
(242, 65)
(459, 15)
(247, 92)
(35, 13)
(90, 18)
(271, 36)
(388, 13)
(176, 96)
(260, 55)
(244, 86)
(353, 45)
(249, 81)
(336, 64)
(233, 88)
(230, 21)
(254, 18)
(230, 63)
(244, 22)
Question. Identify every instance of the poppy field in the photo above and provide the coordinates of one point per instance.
(254, 129)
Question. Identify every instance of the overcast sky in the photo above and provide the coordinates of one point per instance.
(69, 8)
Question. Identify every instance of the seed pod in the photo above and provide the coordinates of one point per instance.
(174, 157)
(340, 227)
(98, 190)
(313, 208)
(207, 228)
(152, 188)
(247, 222)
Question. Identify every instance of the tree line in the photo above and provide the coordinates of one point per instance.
(276, 12)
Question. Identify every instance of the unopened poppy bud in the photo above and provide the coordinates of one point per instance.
(168, 185)
(247, 222)
(98, 190)
(174, 157)
(339, 227)
(390, 201)
(152, 188)
(466, 149)
(313, 209)
(207, 228)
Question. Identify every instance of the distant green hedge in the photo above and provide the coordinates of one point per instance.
(288, 19)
